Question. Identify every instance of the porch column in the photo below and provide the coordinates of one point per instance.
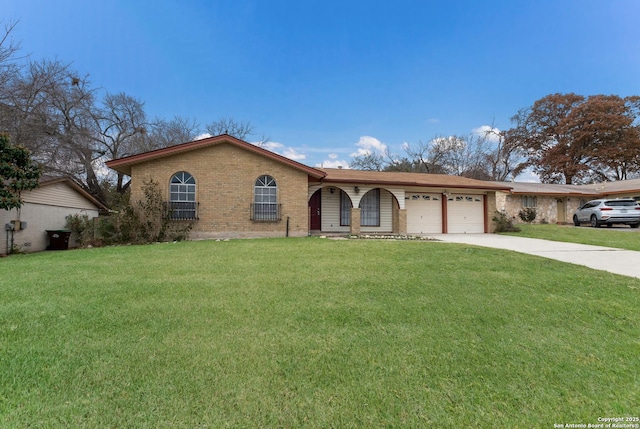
(402, 221)
(399, 220)
(355, 221)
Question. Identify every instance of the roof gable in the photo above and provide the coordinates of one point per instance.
(123, 165)
(70, 183)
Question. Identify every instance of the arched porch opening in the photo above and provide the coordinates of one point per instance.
(352, 209)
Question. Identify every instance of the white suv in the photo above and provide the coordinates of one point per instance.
(608, 212)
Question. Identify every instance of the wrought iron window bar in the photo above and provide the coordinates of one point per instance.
(266, 212)
(182, 210)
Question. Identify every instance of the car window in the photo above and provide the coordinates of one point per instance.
(620, 203)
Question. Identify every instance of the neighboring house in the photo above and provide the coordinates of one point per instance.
(557, 203)
(619, 189)
(230, 188)
(45, 208)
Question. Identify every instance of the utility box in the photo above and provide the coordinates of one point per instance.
(58, 239)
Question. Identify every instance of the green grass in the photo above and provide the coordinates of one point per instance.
(313, 333)
(618, 237)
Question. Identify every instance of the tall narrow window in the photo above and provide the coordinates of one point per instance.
(370, 208)
(265, 200)
(345, 209)
(182, 198)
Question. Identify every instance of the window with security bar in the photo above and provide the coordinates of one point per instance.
(182, 197)
(265, 205)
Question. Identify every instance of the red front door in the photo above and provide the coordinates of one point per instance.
(315, 221)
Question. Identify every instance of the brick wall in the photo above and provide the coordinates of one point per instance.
(225, 176)
(549, 209)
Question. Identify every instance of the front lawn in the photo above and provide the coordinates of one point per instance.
(313, 333)
(620, 237)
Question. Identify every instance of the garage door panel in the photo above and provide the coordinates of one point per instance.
(424, 213)
(465, 214)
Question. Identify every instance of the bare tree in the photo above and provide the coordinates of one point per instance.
(48, 109)
(8, 51)
(503, 158)
(368, 161)
(120, 129)
(227, 125)
(165, 133)
(70, 146)
(423, 159)
(458, 156)
(70, 130)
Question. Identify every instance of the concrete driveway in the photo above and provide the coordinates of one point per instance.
(617, 261)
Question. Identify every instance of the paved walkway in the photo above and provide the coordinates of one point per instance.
(617, 261)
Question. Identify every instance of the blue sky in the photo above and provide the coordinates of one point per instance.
(324, 79)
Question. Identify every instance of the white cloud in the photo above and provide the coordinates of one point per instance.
(203, 136)
(281, 149)
(492, 134)
(367, 145)
(291, 153)
(272, 146)
(333, 162)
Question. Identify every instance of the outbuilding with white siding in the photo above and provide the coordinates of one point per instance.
(45, 208)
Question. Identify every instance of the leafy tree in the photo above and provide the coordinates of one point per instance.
(18, 173)
(573, 139)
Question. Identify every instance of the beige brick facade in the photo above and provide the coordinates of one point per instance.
(549, 209)
(225, 170)
(225, 176)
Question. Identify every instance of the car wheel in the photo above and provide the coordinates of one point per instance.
(609, 225)
(594, 221)
(634, 225)
(576, 222)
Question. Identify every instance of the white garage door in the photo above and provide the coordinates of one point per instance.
(424, 213)
(465, 213)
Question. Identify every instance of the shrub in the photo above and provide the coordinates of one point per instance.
(504, 223)
(144, 221)
(527, 215)
(82, 229)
